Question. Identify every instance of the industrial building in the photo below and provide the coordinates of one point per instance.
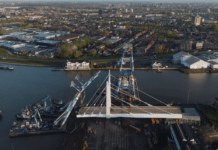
(189, 116)
(189, 61)
(196, 20)
(211, 58)
(182, 137)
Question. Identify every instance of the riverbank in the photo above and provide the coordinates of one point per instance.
(188, 71)
(30, 63)
(60, 64)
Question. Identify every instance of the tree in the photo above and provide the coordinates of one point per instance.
(100, 23)
(215, 27)
(92, 64)
(23, 53)
(159, 49)
(66, 50)
(93, 52)
(77, 54)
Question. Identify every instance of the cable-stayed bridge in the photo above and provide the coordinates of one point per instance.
(119, 99)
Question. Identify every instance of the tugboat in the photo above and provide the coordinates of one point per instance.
(158, 70)
(10, 68)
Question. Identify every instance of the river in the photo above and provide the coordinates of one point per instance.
(26, 85)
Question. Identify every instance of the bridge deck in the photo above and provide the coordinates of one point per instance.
(135, 112)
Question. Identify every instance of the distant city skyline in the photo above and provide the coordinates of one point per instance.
(112, 1)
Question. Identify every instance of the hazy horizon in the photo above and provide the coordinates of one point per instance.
(112, 1)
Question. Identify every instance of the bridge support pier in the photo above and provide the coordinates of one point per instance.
(108, 96)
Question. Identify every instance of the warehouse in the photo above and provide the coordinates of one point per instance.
(193, 62)
(189, 116)
(210, 58)
(188, 133)
(189, 61)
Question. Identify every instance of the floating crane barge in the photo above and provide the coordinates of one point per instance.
(33, 123)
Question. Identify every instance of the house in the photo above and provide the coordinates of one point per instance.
(140, 50)
(101, 46)
(199, 45)
(77, 66)
(186, 45)
(156, 65)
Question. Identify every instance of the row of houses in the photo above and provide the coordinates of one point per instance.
(77, 66)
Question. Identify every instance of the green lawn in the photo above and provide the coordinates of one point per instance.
(3, 52)
(31, 62)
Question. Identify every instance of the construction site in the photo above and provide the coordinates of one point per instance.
(116, 118)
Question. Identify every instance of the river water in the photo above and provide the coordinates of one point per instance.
(26, 85)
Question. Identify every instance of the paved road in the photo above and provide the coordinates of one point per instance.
(64, 61)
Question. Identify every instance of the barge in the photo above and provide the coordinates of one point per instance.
(27, 128)
(6, 67)
(33, 124)
(47, 108)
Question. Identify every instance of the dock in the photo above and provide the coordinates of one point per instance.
(36, 132)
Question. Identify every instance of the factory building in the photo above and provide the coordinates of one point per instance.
(189, 61)
(182, 137)
(189, 116)
(196, 20)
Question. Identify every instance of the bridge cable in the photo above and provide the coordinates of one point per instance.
(96, 91)
(148, 95)
(142, 101)
(128, 103)
(97, 98)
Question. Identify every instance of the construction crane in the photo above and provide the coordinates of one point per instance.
(47, 108)
(40, 119)
(126, 79)
(70, 105)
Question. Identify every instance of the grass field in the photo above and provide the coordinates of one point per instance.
(26, 62)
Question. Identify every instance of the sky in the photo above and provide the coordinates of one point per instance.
(110, 1)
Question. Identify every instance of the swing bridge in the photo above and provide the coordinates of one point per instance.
(119, 99)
